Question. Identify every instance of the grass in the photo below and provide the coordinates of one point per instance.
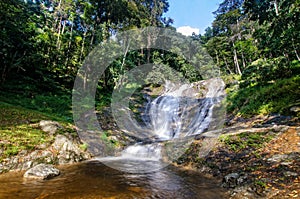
(275, 97)
(19, 129)
(51, 104)
(21, 137)
(245, 140)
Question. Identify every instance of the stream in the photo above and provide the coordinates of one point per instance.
(92, 179)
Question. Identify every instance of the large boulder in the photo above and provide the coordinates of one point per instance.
(42, 171)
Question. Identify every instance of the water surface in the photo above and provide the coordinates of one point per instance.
(93, 179)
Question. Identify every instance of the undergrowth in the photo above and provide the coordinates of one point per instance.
(275, 97)
(58, 105)
(19, 130)
(246, 140)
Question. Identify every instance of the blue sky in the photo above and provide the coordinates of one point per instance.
(195, 14)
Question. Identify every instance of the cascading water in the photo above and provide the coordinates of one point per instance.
(175, 114)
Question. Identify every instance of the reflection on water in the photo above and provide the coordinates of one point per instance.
(94, 180)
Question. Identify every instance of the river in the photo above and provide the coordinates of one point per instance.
(92, 179)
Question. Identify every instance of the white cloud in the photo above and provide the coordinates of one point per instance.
(187, 30)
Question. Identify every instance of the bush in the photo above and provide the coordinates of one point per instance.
(262, 71)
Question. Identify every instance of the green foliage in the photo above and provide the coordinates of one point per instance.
(47, 41)
(84, 146)
(231, 80)
(275, 97)
(263, 71)
(247, 30)
(51, 104)
(260, 183)
(110, 144)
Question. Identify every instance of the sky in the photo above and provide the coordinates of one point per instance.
(192, 15)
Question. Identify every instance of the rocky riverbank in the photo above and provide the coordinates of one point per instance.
(66, 148)
(254, 158)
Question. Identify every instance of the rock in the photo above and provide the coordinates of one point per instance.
(114, 138)
(284, 157)
(50, 126)
(27, 165)
(286, 163)
(42, 146)
(233, 180)
(289, 173)
(278, 158)
(62, 143)
(23, 152)
(243, 192)
(295, 109)
(68, 152)
(230, 180)
(42, 171)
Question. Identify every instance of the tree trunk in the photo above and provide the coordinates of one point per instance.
(92, 39)
(62, 32)
(3, 76)
(93, 35)
(276, 7)
(295, 50)
(218, 63)
(236, 62)
(148, 48)
(69, 44)
(56, 18)
(125, 54)
(230, 72)
(243, 59)
(142, 56)
(82, 46)
(59, 31)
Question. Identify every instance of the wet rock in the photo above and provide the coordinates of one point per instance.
(50, 126)
(42, 171)
(233, 180)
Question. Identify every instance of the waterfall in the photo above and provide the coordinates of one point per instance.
(177, 113)
(146, 151)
